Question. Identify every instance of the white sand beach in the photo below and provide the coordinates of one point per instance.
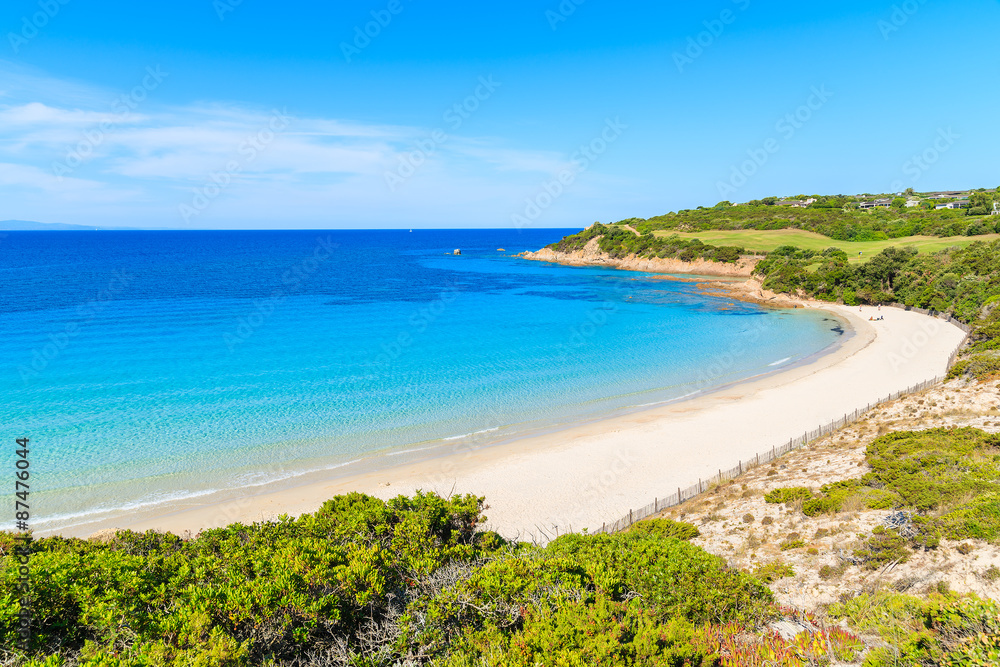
(592, 473)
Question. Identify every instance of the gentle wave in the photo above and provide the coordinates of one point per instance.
(469, 435)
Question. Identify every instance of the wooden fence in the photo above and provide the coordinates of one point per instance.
(681, 495)
(933, 313)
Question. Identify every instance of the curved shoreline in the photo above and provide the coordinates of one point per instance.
(233, 499)
(585, 474)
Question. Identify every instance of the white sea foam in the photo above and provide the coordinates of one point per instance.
(469, 435)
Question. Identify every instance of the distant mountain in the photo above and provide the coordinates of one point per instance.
(29, 226)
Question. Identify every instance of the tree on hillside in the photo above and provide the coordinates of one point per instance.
(981, 203)
(883, 267)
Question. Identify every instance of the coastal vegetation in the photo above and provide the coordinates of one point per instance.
(858, 252)
(414, 581)
(838, 217)
(366, 582)
(619, 242)
(932, 493)
(417, 581)
(945, 483)
(945, 260)
(963, 282)
(878, 551)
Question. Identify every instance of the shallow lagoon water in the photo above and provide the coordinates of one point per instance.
(154, 366)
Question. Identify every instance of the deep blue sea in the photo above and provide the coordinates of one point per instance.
(147, 367)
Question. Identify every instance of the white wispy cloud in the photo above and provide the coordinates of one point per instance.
(59, 155)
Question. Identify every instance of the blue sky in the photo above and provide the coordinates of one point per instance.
(252, 114)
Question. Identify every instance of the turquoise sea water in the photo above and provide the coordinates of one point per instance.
(147, 367)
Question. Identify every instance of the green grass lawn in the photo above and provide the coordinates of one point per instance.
(764, 241)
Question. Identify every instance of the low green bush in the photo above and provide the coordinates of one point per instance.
(666, 528)
(883, 547)
(577, 633)
(787, 495)
(771, 572)
(828, 572)
(944, 629)
(372, 583)
(949, 476)
(981, 366)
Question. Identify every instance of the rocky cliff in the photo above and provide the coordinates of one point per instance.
(591, 255)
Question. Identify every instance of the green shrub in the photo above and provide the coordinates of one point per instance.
(238, 594)
(644, 585)
(666, 528)
(883, 547)
(982, 366)
(787, 495)
(828, 572)
(978, 519)
(818, 506)
(773, 571)
(672, 576)
(954, 473)
(892, 616)
(934, 468)
(602, 633)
